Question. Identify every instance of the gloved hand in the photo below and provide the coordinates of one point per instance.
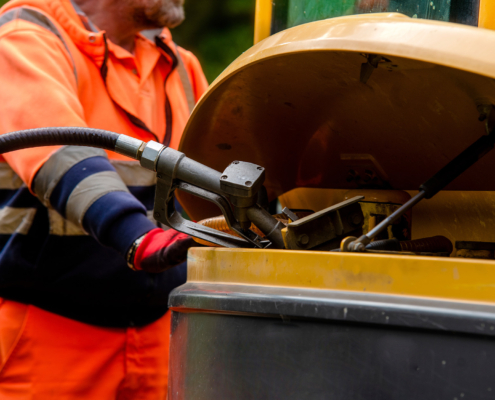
(160, 250)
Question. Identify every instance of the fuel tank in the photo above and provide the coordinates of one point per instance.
(364, 103)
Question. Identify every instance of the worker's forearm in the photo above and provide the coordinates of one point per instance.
(117, 220)
(82, 185)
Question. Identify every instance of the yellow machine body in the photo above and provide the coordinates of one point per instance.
(429, 277)
(295, 104)
(328, 122)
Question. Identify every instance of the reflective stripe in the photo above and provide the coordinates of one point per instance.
(59, 226)
(16, 220)
(151, 34)
(8, 178)
(40, 19)
(84, 18)
(57, 166)
(89, 190)
(132, 174)
(186, 83)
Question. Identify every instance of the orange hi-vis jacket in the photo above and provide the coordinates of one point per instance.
(69, 214)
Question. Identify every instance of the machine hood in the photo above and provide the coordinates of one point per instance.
(299, 104)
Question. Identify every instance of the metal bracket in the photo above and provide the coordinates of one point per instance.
(325, 229)
(289, 214)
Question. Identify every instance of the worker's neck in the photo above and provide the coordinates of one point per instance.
(115, 18)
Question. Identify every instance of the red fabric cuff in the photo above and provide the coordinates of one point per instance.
(154, 241)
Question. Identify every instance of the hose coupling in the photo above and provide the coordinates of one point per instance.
(129, 146)
(151, 154)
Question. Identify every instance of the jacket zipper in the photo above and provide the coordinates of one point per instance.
(168, 108)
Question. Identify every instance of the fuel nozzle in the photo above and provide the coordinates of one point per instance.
(235, 191)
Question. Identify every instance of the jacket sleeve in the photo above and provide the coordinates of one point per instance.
(39, 89)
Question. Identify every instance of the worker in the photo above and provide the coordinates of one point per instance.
(85, 271)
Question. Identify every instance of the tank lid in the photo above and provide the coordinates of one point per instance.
(378, 100)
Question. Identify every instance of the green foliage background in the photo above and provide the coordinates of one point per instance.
(216, 31)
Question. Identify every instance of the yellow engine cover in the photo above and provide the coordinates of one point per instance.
(296, 105)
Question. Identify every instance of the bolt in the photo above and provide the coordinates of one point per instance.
(157, 215)
(356, 246)
(159, 176)
(303, 239)
(260, 168)
(248, 183)
(224, 177)
(352, 175)
(368, 175)
(235, 162)
(356, 219)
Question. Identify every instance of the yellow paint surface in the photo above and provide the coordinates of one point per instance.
(487, 14)
(263, 20)
(447, 278)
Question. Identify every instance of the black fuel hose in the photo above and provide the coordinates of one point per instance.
(68, 136)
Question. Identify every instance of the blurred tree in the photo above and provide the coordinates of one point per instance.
(216, 31)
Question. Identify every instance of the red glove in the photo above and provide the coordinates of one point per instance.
(160, 250)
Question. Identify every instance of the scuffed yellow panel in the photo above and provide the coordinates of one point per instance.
(434, 277)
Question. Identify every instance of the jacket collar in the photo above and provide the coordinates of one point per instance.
(84, 18)
(62, 12)
(83, 33)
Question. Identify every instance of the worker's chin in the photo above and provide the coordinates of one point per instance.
(164, 13)
(173, 18)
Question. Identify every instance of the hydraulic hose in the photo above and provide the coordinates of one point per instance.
(220, 224)
(72, 136)
(435, 244)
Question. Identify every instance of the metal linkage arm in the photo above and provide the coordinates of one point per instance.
(429, 189)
